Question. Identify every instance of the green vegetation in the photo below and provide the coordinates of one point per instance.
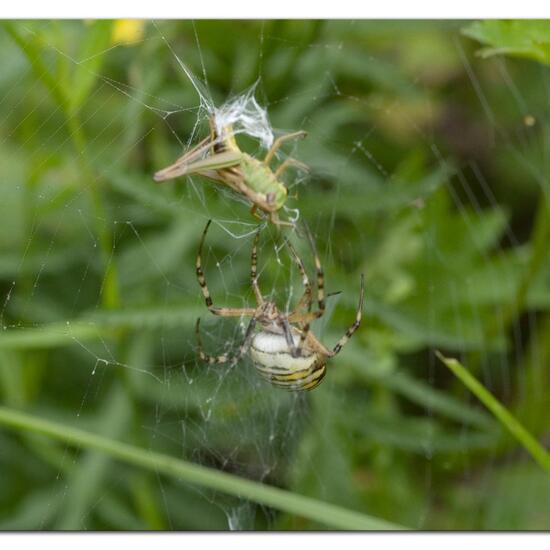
(428, 173)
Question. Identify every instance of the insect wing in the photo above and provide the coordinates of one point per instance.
(184, 166)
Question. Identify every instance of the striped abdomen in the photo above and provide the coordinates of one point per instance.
(274, 362)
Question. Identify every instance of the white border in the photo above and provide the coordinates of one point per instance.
(237, 9)
(268, 541)
(269, 9)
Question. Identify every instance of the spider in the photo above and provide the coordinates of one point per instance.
(285, 352)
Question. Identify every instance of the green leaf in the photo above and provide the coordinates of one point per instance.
(523, 38)
(97, 326)
(30, 46)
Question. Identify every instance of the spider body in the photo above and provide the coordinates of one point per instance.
(284, 350)
(274, 361)
(220, 159)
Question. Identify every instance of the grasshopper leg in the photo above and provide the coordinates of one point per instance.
(279, 141)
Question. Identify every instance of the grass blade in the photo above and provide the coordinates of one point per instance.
(510, 422)
(322, 512)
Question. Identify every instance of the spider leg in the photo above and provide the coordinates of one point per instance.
(279, 141)
(305, 300)
(221, 311)
(344, 340)
(226, 357)
(254, 271)
(303, 337)
(296, 316)
(210, 359)
(246, 342)
(312, 343)
(320, 283)
(296, 351)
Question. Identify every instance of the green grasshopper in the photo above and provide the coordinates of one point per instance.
(225, 163)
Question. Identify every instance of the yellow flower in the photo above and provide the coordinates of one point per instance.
(127, 31)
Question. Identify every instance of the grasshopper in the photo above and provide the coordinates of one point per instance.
(219, 158)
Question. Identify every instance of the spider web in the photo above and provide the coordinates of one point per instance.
(99, 295)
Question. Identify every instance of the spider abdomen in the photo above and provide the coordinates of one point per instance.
(274, 362)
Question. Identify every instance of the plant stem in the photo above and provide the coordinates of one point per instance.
(540, 238)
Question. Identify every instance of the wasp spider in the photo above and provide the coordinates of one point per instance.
(284, 350)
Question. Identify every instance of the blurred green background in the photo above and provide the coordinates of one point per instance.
(429, 173)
